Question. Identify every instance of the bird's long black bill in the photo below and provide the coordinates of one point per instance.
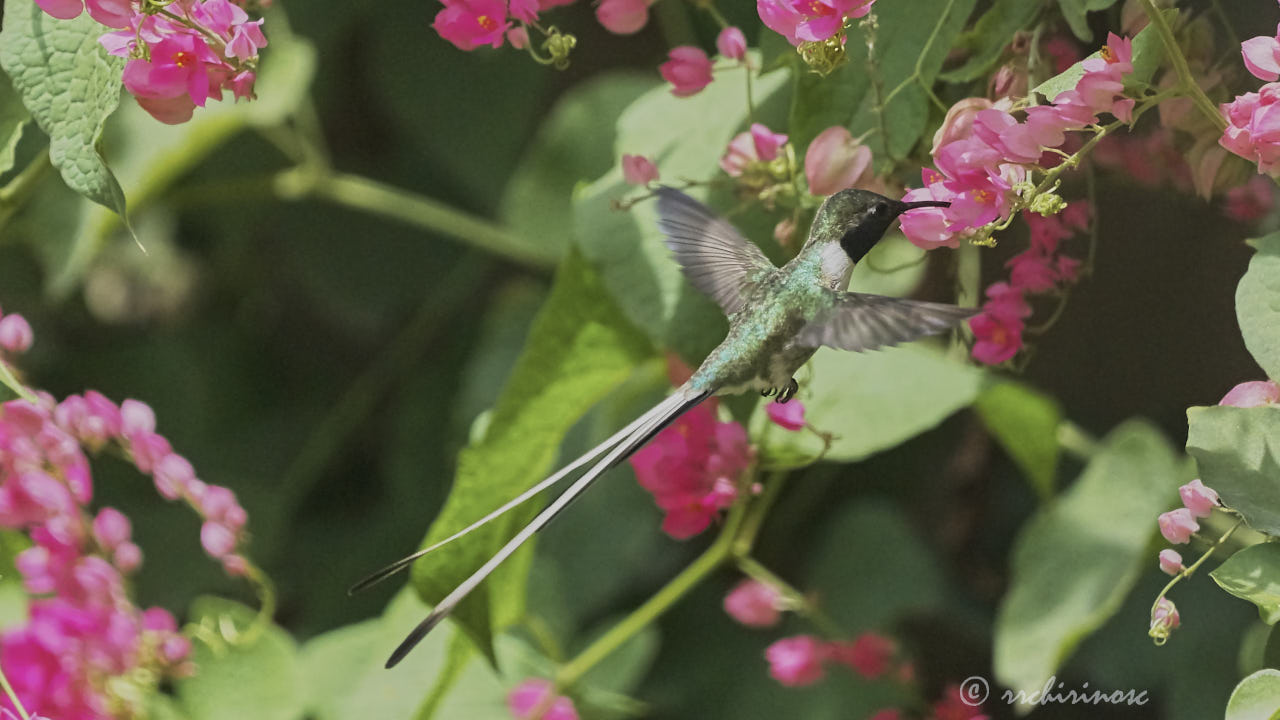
(641, 431)
(925, 204)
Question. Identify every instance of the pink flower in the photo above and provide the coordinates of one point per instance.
(468, 24)
(217, 539)
(958, 124)
(1199, 499)
(754, 604)
(1253, 127)
(688, 70)
(518, 37)
(246, 39)
(1262, 56)
(536, 697)
(809, 20)
(835, 161)
(998, 330)
(766, 142)
(638, 170)
(111, 528)
(1032, 271)
(740, 153)
(15, 334)
(1164, 618)
(869, 655)
(623, 17)
(796, 661)
(178, 65)
(136, 417)
(1170, 562)
(789, 415)
(112, 13)
(1252, 394)
(732, 44)
(1177, 525)
(1250, 202)
(691, 468)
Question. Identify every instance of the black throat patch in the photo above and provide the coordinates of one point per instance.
(858, 240)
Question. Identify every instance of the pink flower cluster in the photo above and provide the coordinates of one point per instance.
(1042, 268)
(1253, 119)
(470, 24)
(757, 145)
(536, 699)
(800, 660)
(85, 642)
(978, 171)
(692, 469)
(809, 20)
(181, 54)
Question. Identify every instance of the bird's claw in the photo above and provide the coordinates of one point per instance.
(785, 395)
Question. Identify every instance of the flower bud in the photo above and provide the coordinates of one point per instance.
(623, 17)
(958, 123)
(753, 603)
(1177, 525)
(688, 70)
(15, 334)
(536, 698)
(638, 170)
(869, 655)
(1197, 498)
(732, 44)
(1163, 620)
(796, 661)
(789, 415)
(1170, 562)
(1252, 394)
(835, 161)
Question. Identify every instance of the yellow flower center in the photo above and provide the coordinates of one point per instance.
(181, 59)
(487, 23)
(1107, 54)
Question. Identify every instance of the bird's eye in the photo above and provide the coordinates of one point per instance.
(880, 209)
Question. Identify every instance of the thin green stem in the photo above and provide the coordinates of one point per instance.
(659, 603)
(917, 74)
(1186, 81)
(365, 194)
(13, 696)
(1076, 440)
(746, 536)
(9, 380)
(1190, 569)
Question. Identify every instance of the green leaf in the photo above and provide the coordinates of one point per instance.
(1148, 53)
(572, 146)
(988, 37)
(1257, 697)
(70, 85)
(1258, 304)
(255, 676)
(1253, 574)
(870, 401)
(1271, 649)
(1025, 422)
(579, 349)
(1074, 12)
(1075, 561)
(1238, 454)
(685, 137)
(911, 43)
(13, 116)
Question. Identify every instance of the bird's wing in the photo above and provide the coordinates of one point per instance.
(711, 253)
(857, 321)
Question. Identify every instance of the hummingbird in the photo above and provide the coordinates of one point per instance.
(778, 318)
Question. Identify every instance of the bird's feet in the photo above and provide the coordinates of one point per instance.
(783, 394)
(788, 392)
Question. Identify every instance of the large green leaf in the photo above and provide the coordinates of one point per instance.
(256, 676)
(686, 137)
(988, 37)
(70, 85)
(575, 144)
(1075, 561)
(1238, 454)
(1253, 574)
(1257, 697)
(870, 401)
(1025, 423)
(579, 349)
(911, 44)
(1258, 304)
(13, 116)
(1074, 12)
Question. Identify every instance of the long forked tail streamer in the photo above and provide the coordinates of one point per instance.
(404, 562)
(645, 428)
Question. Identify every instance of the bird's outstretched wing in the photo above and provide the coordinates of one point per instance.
(857, 321)
(713, 255)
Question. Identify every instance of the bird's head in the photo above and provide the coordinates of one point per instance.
(857, 219)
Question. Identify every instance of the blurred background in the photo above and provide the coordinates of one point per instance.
(328, 363)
